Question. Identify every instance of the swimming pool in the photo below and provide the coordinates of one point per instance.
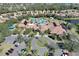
(39, 21)
(12, 26)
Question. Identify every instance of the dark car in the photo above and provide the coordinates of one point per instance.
(50, 54)
(65, 54)
(7, 53)
(61, 45)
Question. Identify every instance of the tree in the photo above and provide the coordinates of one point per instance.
(35, 52)
(1, 38)
(51, 50)
(52, 36)
(47, 31)
(71, 45)
(27, 31)
(24, 52)
(20, 38)
(16, 32)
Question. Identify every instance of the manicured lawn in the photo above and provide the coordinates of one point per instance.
(4, 48)
(1, 38)
(4, 29)
(42, 42)
(46, 53)
(1, 49)
(28, 31)
(71, 18)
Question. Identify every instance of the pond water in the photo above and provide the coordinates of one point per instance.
(73, 21)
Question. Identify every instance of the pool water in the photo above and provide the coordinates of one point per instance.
(12, 26)
(39, 21)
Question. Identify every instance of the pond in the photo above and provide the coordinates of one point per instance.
(73, 21)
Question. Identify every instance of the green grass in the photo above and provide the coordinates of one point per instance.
(1, 50)
(46, 53)
(5, 47)
(4, 29)
(42, 42)
(71, 18)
